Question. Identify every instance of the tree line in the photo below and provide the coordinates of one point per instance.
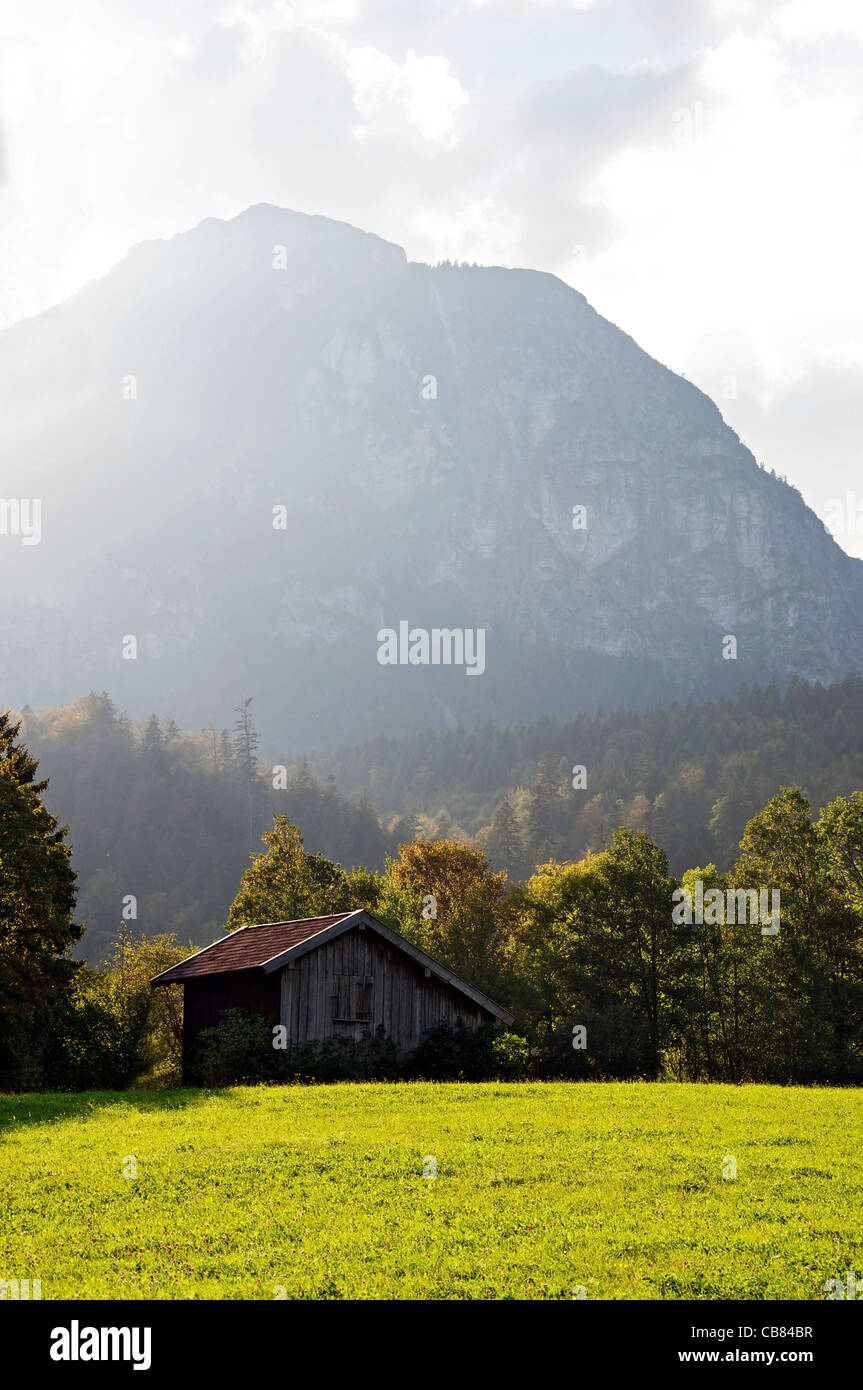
(163, 821)
(691, 775)
(169, 817)
(595, 952)
(604, 977)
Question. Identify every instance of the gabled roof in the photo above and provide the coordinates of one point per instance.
(247, 948)
(274, 945)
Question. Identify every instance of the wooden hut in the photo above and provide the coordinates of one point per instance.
(323, 977)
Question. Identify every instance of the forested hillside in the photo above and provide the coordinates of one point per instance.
(690, 775)
(754, 973)
(170, 818)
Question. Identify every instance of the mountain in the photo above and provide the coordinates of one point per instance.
(428, 432)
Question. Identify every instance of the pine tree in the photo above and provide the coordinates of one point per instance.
(225, 757)
(506, 845)
(245, 746)
(153, 744)
(37, 900)
(245, 740)
(541, 828)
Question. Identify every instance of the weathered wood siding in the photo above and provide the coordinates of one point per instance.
(206, 998)
(357, 982)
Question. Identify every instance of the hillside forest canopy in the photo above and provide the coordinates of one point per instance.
(588, 948)
(163, 821)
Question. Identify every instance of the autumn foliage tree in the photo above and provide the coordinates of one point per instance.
(453, 906)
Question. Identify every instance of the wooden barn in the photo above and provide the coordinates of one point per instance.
(322, 977)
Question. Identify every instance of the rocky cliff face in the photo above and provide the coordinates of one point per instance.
(450, 447)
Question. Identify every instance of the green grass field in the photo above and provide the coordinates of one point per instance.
(318, 1192)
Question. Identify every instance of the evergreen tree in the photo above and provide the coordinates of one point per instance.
(506, 846)
(245, 746)
(37, 901)
(542, 837)
(153, 745)
(225, 755)
(245, 740)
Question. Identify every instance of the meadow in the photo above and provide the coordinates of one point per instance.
(542, 1191)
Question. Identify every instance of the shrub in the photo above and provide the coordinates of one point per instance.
(92, 1037)
(238, 1050)
(510, 1056)
(464, 1054)
(618, 1046)
(372, 1058)
(109, 1028)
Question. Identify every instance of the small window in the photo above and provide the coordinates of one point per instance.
(352, 999)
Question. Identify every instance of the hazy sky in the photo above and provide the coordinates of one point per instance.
(693, 166)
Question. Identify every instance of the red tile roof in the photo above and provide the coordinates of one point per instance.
(273, 944)
(247, 948)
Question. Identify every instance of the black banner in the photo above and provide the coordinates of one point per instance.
(270, 1341)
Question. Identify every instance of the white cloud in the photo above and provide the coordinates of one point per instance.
(526, 6)
(731, 9)
(819, 19)
(736, 255)
(481, 232)
(743, 68)
(706, 154)
(420, 90)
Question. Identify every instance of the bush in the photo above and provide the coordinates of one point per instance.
(238, 1050)
(618, 1047)
(92, 1038)
(108, 1028)
(462, 1054)
(372, 1058)
(511, 1056)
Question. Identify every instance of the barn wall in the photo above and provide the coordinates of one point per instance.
(205, 999)
(396, 989)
